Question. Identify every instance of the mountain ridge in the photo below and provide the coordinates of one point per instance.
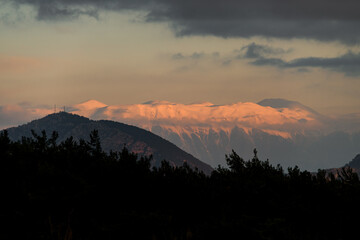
(287, 132)
(113, 136)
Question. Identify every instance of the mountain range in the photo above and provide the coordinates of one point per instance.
(113, 136)
(285, 132)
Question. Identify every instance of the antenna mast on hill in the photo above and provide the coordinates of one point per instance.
(64, 109)
(55, 108)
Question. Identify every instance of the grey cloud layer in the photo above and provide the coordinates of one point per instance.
(349, 63)
(262, 55)
(324, 20)
(193, 56)
(254, 50)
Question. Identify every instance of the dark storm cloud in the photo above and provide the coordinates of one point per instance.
(349, 63)
(325, 20)
(53, 12)
(70, 9)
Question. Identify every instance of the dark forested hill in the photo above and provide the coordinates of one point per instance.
(113, 136)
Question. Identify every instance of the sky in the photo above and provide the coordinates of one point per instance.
(131, 51)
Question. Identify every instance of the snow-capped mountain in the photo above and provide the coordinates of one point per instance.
(286, 132)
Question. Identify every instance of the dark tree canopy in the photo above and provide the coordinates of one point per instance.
(75, 190)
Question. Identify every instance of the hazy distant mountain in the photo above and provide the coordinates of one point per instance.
(113, 136)
(286, 132)
(355, 163)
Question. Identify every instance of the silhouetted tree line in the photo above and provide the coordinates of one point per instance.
(74, 190)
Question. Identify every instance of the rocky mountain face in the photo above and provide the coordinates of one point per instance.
(113, 136)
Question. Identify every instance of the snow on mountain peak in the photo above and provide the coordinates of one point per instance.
(204, 116)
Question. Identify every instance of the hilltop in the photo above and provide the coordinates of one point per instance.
(113, 135)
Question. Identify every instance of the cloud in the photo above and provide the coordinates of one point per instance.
(324, 20)
(349, 63)
(250, 51)
(262, 55)
(54, 11)
(177, 56)
(254, 50)
(51, 10)
(193, 56)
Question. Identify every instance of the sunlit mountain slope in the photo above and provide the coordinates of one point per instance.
(286, 132)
